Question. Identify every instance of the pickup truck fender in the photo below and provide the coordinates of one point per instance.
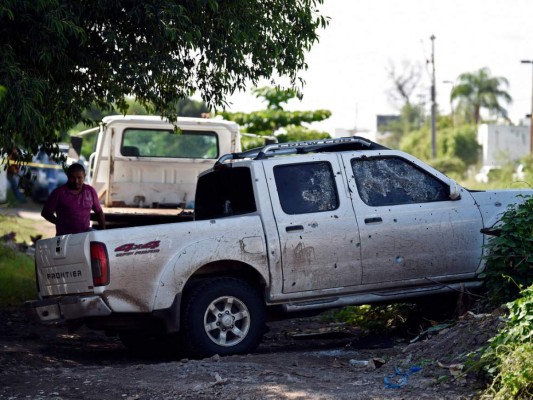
(493, 203)
(212, 256)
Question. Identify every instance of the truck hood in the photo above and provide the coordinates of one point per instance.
(493, 203)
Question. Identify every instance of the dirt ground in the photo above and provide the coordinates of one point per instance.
(298, 359)
(308, 359)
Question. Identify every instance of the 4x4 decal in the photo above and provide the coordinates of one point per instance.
(129, 249)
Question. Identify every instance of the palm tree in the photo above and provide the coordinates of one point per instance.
(477, 90)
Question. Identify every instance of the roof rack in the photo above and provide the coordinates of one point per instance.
(312, 146)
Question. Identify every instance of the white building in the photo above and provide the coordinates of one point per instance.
(503, 143)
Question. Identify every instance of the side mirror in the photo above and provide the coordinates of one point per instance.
(454, 190)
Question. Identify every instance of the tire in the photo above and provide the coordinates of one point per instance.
(222, 316)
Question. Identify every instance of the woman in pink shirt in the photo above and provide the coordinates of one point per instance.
(69, 206)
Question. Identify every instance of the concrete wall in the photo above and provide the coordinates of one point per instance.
(503, 143)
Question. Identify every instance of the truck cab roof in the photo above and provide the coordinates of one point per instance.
(181, 121)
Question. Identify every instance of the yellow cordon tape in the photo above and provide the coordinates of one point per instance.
(38, 165)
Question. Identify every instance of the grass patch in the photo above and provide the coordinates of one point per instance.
(508, 359)
(17, 271)
(23, 228)
(17, 278)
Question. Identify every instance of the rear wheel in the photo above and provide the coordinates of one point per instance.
(223, 316)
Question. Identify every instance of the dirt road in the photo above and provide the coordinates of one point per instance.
(298, 359)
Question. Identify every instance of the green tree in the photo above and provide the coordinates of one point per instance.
(191, 108)
(411, 118)
(60, 57)
(457, 147)
(270, 121)
(274, 97)
(480, 90)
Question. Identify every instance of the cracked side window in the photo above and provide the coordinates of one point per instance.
(389, 181)
(306, 188)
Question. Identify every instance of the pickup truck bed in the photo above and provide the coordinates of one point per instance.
(120, 217)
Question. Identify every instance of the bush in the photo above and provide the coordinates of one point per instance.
(508, 359)
(451, 166)
(375, 318)
(510, 255)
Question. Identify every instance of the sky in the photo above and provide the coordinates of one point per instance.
(347, 71)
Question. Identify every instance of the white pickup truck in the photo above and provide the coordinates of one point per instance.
(145, 170)
(286, 228)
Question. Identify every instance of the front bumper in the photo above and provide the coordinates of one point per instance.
(63, 309)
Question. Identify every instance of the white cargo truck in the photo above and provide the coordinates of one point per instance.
(144, 168)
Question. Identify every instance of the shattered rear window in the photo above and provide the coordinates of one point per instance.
(224, 193)
(389, 181)
(306, 188)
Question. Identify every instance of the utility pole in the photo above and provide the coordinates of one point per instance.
(433, 101)
(531, 115)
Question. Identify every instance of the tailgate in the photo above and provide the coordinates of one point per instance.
(63, 265)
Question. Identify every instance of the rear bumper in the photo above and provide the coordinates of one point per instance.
(64, 309)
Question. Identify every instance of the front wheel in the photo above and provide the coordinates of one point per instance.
(223, 316)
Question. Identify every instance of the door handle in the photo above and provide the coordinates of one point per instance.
(373, 220)
(294, 228)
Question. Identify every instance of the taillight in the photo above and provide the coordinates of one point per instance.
(99, 264)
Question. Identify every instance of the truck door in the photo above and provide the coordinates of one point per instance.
(410, 228)
(316, 224)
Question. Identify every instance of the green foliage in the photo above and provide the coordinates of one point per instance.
(274, 97)
(17, 272)
(411, 119)
(454, 167)
(460, 142)
(508, 359)
(300, 134)
(510, 255)
(477, 90)
(60, 57)
(23, 228)
(17, 278)
(375, 318)
(457, 147)
(268, 122)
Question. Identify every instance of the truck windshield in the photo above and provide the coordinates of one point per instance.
(169, 144)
